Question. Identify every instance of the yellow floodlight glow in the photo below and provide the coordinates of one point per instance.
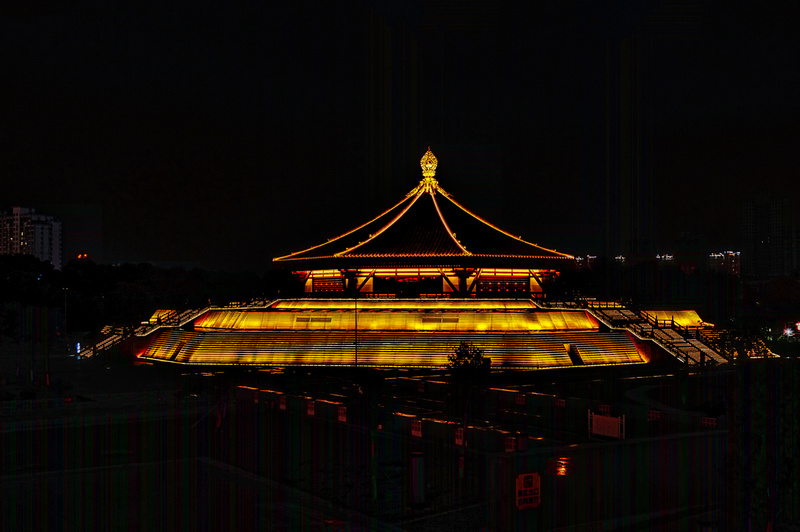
(504, 272)
(388, 349)
(325, 274)
(399, 272)
(407, 304)
(421, 318)
(562, 466)
(684, 318)
(161, 316)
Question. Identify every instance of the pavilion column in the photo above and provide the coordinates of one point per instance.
(463, 275)
(351, 282)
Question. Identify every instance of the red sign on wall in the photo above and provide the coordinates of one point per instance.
(511, 444)
(528, 493)
(613, 427)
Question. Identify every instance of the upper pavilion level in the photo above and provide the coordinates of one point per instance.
(427, 228)
(427, 245)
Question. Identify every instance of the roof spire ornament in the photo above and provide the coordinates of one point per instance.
(428, 164)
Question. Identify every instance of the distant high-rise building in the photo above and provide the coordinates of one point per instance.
(770, 236)
(727, 261)
(24, 232)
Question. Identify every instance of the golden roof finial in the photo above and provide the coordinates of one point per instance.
(428, 163)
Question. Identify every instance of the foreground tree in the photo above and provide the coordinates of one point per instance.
(764, 444)
(467, 362)
(469, 373)
(741, 342)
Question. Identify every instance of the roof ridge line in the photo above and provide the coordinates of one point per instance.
(444, 222)
(457, 204)
(390, 209)
(382, 229)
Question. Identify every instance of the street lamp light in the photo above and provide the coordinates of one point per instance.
(355, 305)
(65, 289)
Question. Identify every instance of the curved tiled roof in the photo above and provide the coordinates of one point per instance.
(428, 225)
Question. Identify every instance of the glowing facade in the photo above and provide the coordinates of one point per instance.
(403, 290)
(515, 334)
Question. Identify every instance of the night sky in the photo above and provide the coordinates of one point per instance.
(223, 134)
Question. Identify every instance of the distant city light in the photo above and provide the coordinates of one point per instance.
(562, 466)
(558, 466)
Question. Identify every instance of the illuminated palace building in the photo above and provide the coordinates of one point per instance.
(404, 289)
(427, 246)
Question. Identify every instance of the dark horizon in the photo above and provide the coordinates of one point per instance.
(224, 136)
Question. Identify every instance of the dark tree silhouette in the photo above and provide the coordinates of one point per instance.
(469, 370)
(468, 361)
(740, 343)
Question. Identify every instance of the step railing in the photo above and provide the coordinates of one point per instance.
(640, 330)
(175, 321)
(143, 330)
(655, 322)
(712, 343)
(680, 353)
(102, 345)
(596, 308)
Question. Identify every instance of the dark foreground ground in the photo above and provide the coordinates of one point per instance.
(111, 445)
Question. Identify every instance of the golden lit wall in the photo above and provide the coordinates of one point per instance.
(161, 316)
(508, 350)
(373, 320)
(684, 318)
(407, 304)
